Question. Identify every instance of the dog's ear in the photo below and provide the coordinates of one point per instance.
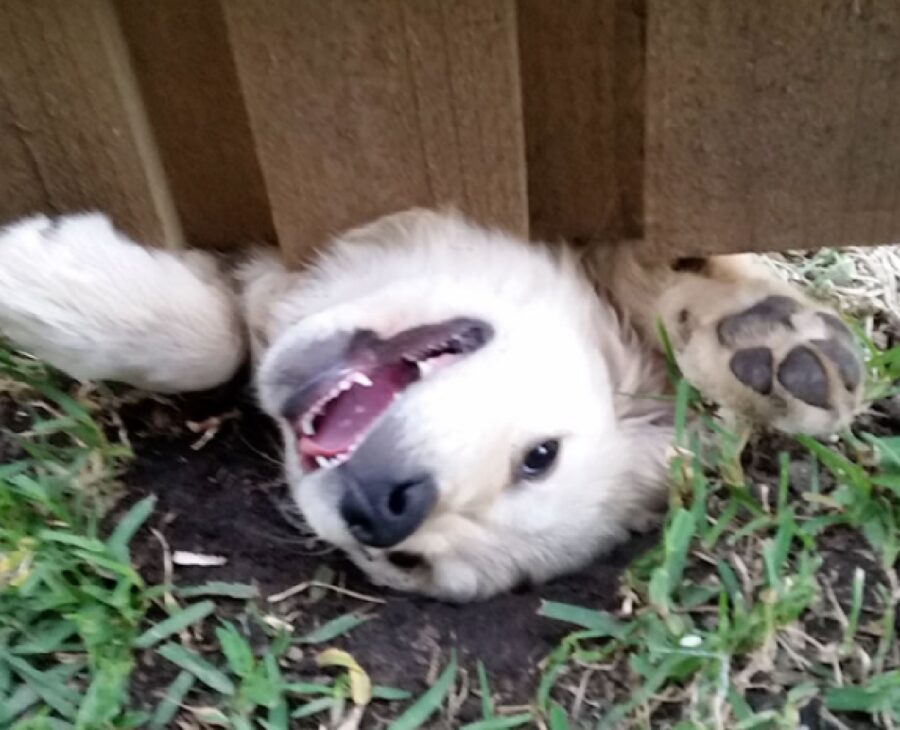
(263, 281)
(398, 228)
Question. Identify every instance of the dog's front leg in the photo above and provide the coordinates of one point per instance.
(78, 294)
(745, 338)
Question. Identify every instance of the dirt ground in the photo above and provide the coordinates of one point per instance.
(227, 498)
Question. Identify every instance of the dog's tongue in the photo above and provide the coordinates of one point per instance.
(346, 418)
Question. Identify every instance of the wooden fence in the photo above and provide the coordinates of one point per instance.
(687, 125)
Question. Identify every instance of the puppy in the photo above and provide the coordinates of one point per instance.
(461, 411)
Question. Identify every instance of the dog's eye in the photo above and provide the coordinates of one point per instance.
(539, 459)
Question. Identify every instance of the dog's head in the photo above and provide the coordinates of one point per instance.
(461, 412)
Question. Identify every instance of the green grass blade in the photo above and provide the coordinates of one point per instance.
(840, 467)
(131, 522)
(586, 618)
(487, 700)
(238, 652)
(418, 714)
(22, 699)
(557, 717)
(390, 694)
(48, 639)
(170, 703)
(881, 693)
(195, 664)
(278, 716)
(106, 695)
(308, 688)
(677, 540)
(683, 395)
(220, 589)
(176, 622)
(51, 689)
(102, 563)
(334, 628)
(313, 708)
(500, 723)
(89, 544)
(658, 676)
(239, 722)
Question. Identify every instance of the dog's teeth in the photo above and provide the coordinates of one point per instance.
(424, 368)
(361, 379)
(329, 462)
(306, 425)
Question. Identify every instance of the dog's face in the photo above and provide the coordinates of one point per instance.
(448, 403)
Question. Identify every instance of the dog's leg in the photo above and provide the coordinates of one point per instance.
(85, 299)
(745, 338)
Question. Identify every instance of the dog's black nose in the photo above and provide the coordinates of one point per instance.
(384, 513)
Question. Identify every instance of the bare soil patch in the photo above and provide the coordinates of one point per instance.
(227, 499)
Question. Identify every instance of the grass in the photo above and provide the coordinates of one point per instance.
(733, 621)
(76, 617)
(736, 619)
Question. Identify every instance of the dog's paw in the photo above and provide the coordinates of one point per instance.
(761, 350)
(84, 298)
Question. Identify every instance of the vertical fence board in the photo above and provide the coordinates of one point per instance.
(363, 107)
(76, 137)
(186, 72)
(772, 125)
(582, 86)
(20, 174)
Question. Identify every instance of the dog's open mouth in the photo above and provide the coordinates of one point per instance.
(334, 416)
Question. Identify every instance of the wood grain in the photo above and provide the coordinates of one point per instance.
(184, 65)
(772, 125)
(364, 107)
(75, 133)
(582, 65)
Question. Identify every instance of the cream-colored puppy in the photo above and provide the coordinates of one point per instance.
(462, 411)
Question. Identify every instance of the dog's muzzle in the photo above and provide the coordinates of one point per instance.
(383, 514)
(386, 494)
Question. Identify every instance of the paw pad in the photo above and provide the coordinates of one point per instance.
(801, 365)
(773, 311)
(753, 367)
(844, 359)
(780, 361)
(802, 375)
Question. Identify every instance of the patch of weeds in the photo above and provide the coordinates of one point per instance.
(70, 601)
(76, 618)
(764, 605)
(227, 680)
(824, 269)
(884, 371)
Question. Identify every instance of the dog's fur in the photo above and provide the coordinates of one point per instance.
(573, 357)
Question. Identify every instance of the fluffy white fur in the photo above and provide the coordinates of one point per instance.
(84, 298)
(564, 362)
(559, 360)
